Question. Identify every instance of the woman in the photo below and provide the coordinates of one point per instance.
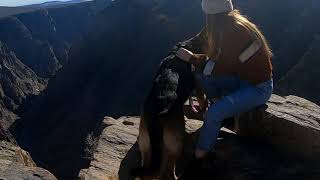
(239, 69)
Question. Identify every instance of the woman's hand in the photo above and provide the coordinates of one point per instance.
(203, 102)
(201, 98)
(198, 60)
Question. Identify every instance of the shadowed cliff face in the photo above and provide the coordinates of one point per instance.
(39, 55)
(33, 47)
(110, 70)
(42, 39)
(17, 82)
(302, 79)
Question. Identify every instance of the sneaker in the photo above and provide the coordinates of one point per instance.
(200, 168)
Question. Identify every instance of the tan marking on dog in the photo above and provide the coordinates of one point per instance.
(173, 134)
(144, 143)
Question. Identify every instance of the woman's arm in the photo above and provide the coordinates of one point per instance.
(201, 98)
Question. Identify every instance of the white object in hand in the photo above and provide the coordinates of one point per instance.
(184, 54)
(208, 68)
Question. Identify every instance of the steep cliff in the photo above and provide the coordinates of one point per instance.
(17, 83)
(33, 47)
(108, 73)
(110, 70)
(42, 39)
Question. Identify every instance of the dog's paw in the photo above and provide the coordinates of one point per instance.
(141, 173)
(137, 172)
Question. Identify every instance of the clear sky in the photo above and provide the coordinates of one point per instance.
(23, 2)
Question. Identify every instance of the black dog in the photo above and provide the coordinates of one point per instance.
(162, 124)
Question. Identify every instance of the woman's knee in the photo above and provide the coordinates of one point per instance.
(267, 89)
(220, 110)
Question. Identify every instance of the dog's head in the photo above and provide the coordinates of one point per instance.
(172, 85)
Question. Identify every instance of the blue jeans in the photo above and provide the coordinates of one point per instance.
(238, 96)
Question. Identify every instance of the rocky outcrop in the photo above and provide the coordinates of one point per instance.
(16, 163)
(117, 152)
(5, 135)
(237, 157)
(115, 141)
(290, 124)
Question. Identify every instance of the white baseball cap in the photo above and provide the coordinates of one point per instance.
(216, 6)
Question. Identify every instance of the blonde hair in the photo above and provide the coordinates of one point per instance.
(217, 23)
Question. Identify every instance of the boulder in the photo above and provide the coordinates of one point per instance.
(15, 163)
(114, 144)
(289, 124)
(5, 135)
(237, 157)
